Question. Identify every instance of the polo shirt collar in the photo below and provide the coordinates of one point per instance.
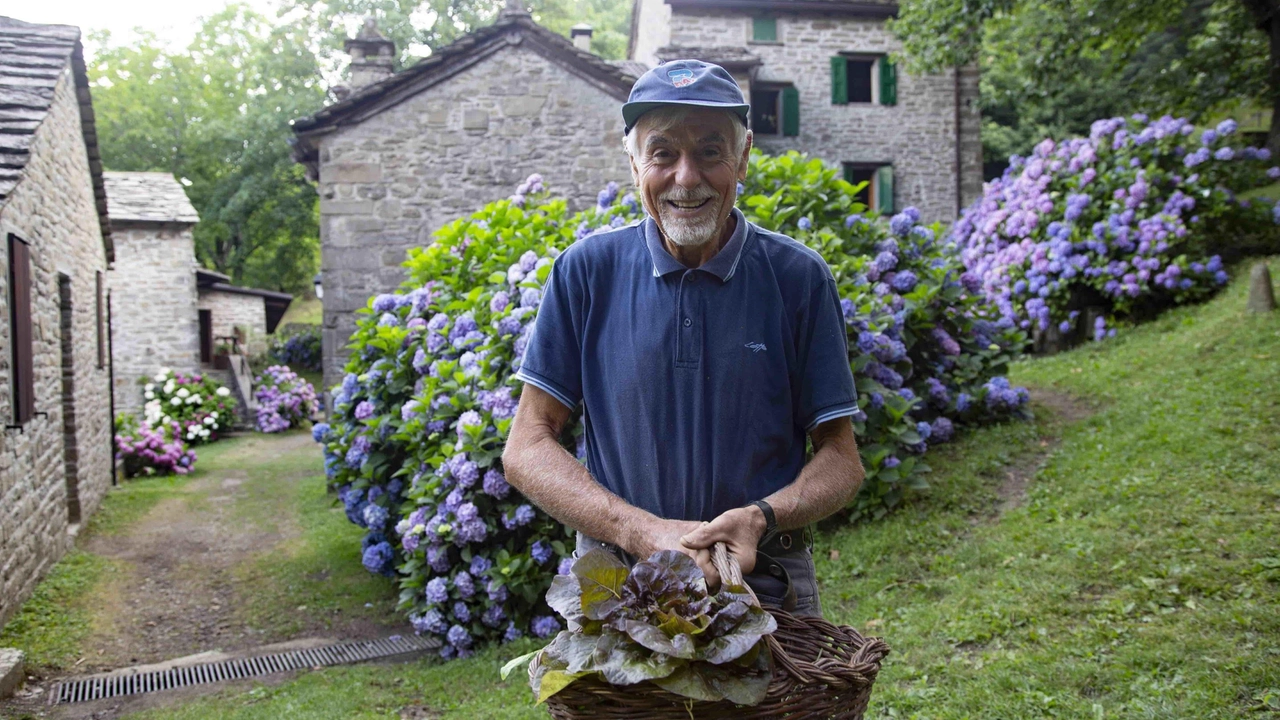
(722, 264)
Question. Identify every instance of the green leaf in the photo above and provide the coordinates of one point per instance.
(601, 576)
(554, 681)
(514, 663)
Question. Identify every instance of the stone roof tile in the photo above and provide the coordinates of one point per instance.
(148, 197)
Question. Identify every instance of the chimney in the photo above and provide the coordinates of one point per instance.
(372, 55)
(580, 34)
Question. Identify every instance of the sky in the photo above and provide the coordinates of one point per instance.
(173, 20)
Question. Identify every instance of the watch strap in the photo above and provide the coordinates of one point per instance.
(770, 521)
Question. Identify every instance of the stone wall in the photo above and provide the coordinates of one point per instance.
(53, 209)
(918, 135)
(652, 31)
(230, 310)
(389, 182)
(153, 302)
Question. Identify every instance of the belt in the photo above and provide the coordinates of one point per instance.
(781, 543)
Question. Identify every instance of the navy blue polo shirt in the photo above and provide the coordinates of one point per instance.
(698, 384)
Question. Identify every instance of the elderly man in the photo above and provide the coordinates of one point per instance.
(703, 349)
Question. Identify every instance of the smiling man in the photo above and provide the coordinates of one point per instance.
(704, 349)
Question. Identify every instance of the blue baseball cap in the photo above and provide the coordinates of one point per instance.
(684, 82)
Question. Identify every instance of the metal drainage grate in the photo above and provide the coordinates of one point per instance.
(97, 687)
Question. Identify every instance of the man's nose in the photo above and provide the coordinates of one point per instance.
(687, 173)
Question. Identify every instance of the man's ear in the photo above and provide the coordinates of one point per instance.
(746, 157)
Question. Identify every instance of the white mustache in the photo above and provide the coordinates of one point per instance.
(681, 195)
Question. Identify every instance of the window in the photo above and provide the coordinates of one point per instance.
(775, 110)
(867, 79)
(877, 194)
(101, 310)
(764, 29)
(22, 376)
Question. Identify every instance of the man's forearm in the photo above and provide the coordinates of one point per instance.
(826, 484)
(549, 476)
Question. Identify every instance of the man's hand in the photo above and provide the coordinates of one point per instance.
(739, 529)
(667, 535)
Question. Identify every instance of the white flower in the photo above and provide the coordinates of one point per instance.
(175, 401)
(149, 395)
(165, 370)
(149, 387)
(160, 377)
(223, 392)
(208, 420)
(168, 387)
(183, 393)
(214, 414)
(193, 400)
(197, 399)
(166, 419)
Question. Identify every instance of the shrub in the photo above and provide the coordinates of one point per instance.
(421, 416)
(1126, 220)
(198, 404)
(147, 451)
(297, 346)
(284, 399)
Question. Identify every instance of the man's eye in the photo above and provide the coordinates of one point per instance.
(711, 152)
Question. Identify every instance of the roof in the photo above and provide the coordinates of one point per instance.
(275, 303)
(148, 197)
(729, 57)
(513, 27)
(860, 8)
(634, 68)
(32, 59)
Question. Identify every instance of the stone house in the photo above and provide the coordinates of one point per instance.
(55, 392)
(820, 79)
(167, 310)
(402, 154)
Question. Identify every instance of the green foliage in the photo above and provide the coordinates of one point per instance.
(656, 623)
(216, 114)
(51, 625)
(416, 26)
(1050, 68)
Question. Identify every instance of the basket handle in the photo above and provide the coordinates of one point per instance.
(730, 571)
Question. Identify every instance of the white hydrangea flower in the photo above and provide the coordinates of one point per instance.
(223, 392)
(149, 387)
(183, 392)
(208, 420)
(149, 395)
(175, 401)
(214, 414)
(168, 387)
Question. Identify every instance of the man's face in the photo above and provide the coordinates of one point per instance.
(688, 175)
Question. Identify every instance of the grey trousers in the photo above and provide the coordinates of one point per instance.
(770, 591)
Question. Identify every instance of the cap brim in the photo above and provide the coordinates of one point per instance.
(632, 111)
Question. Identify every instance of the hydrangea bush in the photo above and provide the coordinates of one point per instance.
(298, 346)
(1123, 223)
(420, 418)
(199, 405)
(284, 399)
(147, 451)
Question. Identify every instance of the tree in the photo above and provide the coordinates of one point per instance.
(420, 26)
(216, 115)
(1190, 57)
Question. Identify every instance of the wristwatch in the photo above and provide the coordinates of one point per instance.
(770, 521)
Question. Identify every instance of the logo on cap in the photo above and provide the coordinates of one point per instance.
(681, 78)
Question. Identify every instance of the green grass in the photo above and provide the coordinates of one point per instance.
(54, 622)
(304, 309)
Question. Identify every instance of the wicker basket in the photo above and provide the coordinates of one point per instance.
(821, 672)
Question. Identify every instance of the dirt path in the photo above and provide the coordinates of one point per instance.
(1065, 410)
(179, 584)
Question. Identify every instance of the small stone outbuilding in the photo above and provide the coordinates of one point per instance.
(55, 393)
(167, 310)
(402, 154)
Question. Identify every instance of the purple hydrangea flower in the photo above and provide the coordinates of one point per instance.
(459, 637)
(465, 586)
(437, 590)
(544, 626)
(943, 430)
(542, 552)
(385, 303)
(904, 282)
(364, 410)
(480, 565)
(495, 484)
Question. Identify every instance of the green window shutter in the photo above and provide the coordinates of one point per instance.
(839, 81)
(764, 29)
(790, 111)
(888, 82)
(884, 190)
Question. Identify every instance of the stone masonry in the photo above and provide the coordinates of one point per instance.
(234, 310)
(53, 208)
(919, 135)
(387, 183)
(153, 295)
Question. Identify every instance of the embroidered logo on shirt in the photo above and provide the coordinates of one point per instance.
(681, 77)
(756, 347)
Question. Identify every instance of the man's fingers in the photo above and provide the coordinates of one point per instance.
(705, 536)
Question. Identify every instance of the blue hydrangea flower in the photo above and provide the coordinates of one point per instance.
(805, 223)
(465, 586)
(512, 633)
(429, 622)
(459, 637)
(496, 485)
(544, 626)
(904, 282)
(480, 565)
(378, 558)
(320, 432)
(461, 612)
(437, 590)
(384, 303)
(542, 552)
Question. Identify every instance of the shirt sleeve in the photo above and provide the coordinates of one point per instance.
(553, 358)
(826, 389)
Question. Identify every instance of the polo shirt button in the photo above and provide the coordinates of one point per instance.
(687, 322)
